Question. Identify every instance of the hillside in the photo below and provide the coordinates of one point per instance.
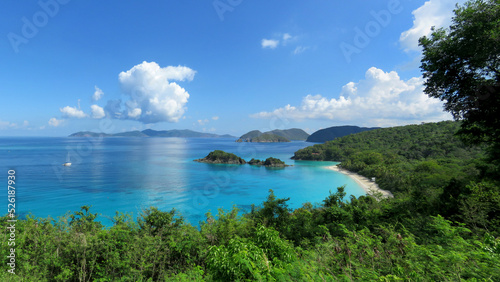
(277, 135)
(295, 134)
(266, 138)
(328, 134)
(153, 133)
(401, 157)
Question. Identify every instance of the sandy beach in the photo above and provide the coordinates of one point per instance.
(370, 187)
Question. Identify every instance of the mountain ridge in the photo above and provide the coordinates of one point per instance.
(184, 133)
(330, 133)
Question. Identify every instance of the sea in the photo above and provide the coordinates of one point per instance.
(131, 174)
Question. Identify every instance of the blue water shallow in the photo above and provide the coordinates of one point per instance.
(131, 174)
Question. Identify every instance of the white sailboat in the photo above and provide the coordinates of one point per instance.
(68, 162)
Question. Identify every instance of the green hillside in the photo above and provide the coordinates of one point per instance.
(399, 157)
(277, 135)
(328, 134)
(291, 134)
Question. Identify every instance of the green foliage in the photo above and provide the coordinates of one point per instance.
(339, 240)
(426, 166)
(461, 66)
(274, 212)
(269, 162)
(222, 157)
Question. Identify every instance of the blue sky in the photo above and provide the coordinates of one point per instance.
(223, 66)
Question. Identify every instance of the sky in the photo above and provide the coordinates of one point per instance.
(218, 66)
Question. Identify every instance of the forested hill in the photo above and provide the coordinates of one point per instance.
(277, 135)
(328, 134)
(411, 142)
(401, 157)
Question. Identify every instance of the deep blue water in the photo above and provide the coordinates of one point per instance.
(130, 174)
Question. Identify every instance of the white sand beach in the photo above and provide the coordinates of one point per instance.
(370, 187)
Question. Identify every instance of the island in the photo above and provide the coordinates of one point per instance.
(269, 162)
(276, 135)
(186, 133)
(221, 157)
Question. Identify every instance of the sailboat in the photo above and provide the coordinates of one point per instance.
(68, 162)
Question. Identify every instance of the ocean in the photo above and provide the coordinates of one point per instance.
(131, 174)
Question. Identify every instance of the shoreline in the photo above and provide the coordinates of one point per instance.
(370, 187)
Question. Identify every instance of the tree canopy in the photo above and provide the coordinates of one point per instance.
(461, 66)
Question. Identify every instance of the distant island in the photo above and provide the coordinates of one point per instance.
(186, 133)
(221, 157)
(276, 135)
(329, 134)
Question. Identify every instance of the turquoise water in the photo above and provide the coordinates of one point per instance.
(131, 174)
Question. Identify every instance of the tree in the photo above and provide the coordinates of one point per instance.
(461, 66)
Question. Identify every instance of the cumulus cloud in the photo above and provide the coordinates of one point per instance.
(97, 112)
(153, 97)
(215, 118)
(381, 99)
(56, 122)
(436, 13)
(269, 43)
(72, 112)
(97, 94)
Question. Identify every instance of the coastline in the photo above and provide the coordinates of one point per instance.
(370, 187)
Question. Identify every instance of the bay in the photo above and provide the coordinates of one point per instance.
(131, 174)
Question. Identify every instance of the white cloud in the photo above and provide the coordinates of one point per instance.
(381, 99)
(97, 112)
(26, 123)
(270, 43)
(436, 13)
(299, 50)
(7, 125)
(215, 118)
(153, 97)
(97, 94)
(72, 112)
(56, 122)
(203, 121)
(286, 36)
(134, 113)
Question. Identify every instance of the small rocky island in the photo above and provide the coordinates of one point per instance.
(269, 162)
(221, 157)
